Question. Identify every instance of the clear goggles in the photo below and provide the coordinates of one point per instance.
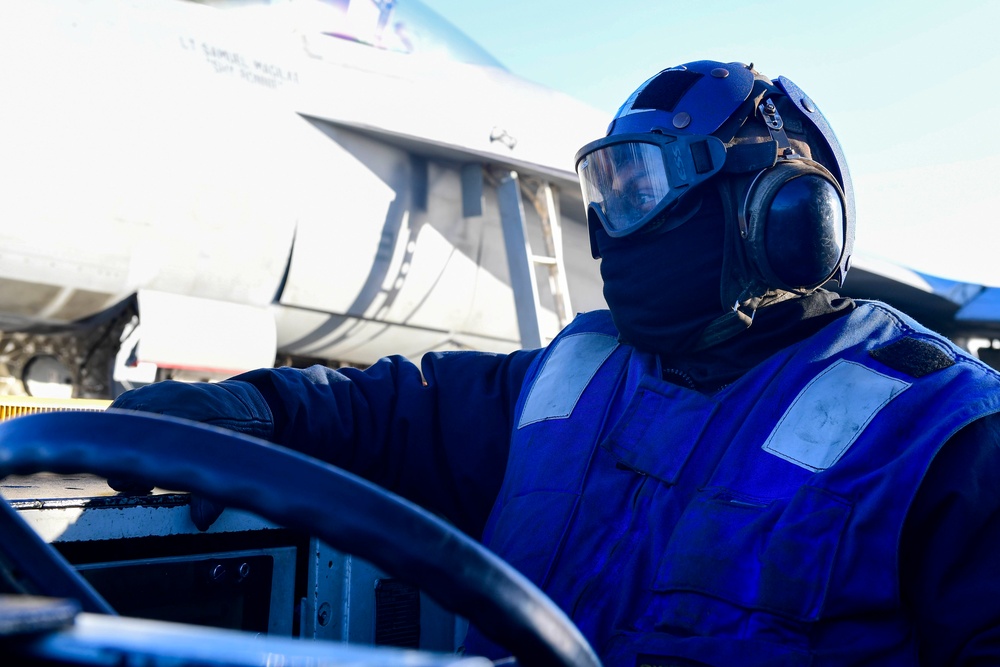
(629, 179)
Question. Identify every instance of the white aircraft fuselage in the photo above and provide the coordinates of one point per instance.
(272, 180)
(206, 188)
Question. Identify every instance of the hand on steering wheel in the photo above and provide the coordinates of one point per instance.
(346, 512)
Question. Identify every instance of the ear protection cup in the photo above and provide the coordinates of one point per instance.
(793, 222)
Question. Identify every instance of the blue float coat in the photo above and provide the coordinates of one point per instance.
(758, 525)
(442, 438)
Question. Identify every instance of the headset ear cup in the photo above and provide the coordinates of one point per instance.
(793, 220)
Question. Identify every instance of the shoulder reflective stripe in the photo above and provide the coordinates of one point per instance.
(828, 415)
(564, 375)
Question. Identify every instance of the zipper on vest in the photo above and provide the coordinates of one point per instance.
(678, 377)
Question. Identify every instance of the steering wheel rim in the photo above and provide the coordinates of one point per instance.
(303, 493)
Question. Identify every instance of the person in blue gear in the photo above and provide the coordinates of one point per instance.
(732, 465)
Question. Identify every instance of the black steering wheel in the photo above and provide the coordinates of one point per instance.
(302, 493)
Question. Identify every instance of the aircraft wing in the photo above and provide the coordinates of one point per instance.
(957, 309)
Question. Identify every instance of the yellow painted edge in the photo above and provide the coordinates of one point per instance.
(17, 406)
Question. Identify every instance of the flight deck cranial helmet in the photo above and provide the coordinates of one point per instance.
(778, 167)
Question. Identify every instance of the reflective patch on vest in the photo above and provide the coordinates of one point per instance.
(827, 417)
(565, 374)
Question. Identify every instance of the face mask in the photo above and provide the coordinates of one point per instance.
(662, 287)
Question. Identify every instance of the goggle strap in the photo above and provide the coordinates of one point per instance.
(707, 158)
(746, 111)
(701, 155)
(746, 158)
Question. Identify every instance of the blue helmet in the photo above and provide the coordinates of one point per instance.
(765, 146)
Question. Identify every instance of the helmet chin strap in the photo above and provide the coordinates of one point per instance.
(727, 326)
(738, 319)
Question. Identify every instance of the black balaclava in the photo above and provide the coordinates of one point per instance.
(662, 287)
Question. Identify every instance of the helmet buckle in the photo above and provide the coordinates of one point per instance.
(744, 312)
(776, 127)
(770, 113)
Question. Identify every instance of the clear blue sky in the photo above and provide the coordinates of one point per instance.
(910, 88)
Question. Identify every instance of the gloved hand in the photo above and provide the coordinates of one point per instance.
(204, 512)
(232, 404)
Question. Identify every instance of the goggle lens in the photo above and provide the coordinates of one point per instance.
(627, 181)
